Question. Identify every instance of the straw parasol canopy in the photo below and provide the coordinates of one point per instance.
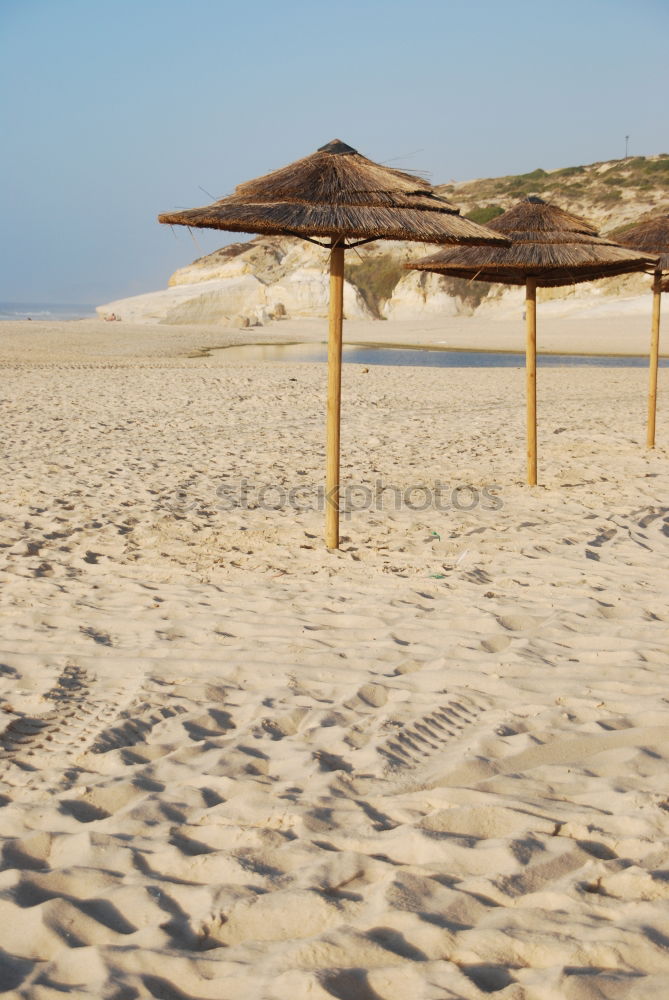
(338, 195)
(652, 237)
(549, 247)
(548, 244)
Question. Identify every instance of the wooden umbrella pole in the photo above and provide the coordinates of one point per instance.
(334, 394)
(654, 354)
(531, 378)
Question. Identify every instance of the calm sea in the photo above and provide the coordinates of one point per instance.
(45, 310)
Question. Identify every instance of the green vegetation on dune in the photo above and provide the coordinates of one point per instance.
(569, 172)
(659, 167)
(602, 185)
(484, 213)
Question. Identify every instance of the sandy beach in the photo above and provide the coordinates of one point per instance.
(92, 340)
(431, 765)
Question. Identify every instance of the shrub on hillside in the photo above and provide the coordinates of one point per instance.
(471, 293)
(568, 171)
(526, 184)
(375, 278)
(608, 197)
(484, 213)
(657, 167)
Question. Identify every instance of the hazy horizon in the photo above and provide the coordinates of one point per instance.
(117, 111)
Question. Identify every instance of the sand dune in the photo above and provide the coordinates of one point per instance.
(432, 764)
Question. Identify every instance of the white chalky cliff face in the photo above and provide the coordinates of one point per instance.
(273, 277)
(245, 284)
(418, 294)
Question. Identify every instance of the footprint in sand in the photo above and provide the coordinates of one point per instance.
(496, 644)
(133, 726)
(369, 695)
(420, 739)
(284, 725)
(604, 536)
(610, 611)
(517, 623)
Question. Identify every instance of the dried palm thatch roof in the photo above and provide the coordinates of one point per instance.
(336, 192)
(547, 243)
(652, 237)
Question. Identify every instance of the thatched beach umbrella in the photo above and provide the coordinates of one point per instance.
(653, 238)
(338, 195)
(549, 247)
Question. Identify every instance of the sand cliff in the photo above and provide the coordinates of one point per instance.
(251, 283)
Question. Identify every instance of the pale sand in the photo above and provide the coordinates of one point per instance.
(95, 340)
(431, 765)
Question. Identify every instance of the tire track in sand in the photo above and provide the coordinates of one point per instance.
(82, 709)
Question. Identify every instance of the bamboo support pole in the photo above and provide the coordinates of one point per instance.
(334, 395)
(654, 354)
(531, 378)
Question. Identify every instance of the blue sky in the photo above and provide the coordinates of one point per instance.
(114, 110)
